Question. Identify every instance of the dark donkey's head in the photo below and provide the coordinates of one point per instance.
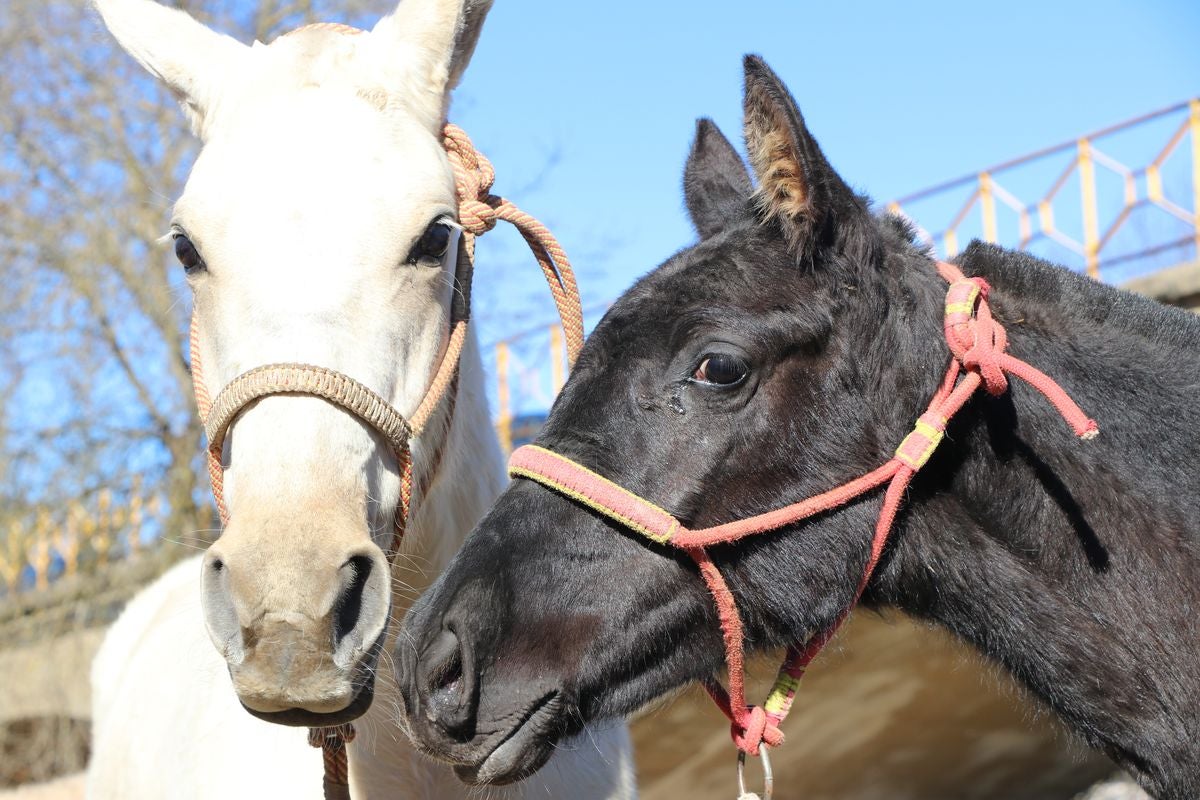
(733, 378)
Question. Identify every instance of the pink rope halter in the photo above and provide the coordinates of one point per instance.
(976, 341)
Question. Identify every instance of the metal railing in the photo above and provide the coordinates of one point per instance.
(41, 547)
(72, 569)
(539, 380)
(1073, 203)
(1066, 181)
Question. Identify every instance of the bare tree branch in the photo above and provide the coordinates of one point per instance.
(92, 154)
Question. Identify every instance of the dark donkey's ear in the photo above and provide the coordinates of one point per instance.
(716, 185)
(796, 185)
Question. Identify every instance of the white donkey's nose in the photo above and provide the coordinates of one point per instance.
(296, 632)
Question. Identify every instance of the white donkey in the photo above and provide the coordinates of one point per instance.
(312, 229)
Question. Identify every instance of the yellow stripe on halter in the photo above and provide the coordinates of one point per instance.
(922, 430)
(521, 472)
(967, 304)
(598, 477)
(960, 308)
(781, 694)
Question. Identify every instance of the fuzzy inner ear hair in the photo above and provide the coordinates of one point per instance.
(797, 187)
(775, 143)
(782, 185)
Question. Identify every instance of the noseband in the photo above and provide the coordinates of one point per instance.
(977, 343)
(478, 211)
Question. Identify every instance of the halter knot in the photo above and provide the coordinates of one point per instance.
(478, 211)
(473, 179)
(755, 729)
(975, 338)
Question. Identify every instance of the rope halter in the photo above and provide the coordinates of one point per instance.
(978, 345)
(478, 211)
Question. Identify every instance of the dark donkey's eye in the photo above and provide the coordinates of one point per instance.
(433, 243)
(721, 369)
(188, 255)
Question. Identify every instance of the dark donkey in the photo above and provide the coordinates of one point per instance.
(787, 352)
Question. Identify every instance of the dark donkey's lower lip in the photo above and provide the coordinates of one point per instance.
(302, 718)
(522, 751)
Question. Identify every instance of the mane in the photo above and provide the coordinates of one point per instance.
(1081, 297)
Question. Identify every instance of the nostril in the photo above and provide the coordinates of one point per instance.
(220, 614)
(445, 660)
(359, 614)
(347, 612)
(447, 681)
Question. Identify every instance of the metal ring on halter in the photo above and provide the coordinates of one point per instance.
(768, 776)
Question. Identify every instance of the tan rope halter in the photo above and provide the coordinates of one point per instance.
(478, 211)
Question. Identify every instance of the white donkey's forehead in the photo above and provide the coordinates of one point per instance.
(320, 57)
(317, 152)
(305, 209)
(312, 130)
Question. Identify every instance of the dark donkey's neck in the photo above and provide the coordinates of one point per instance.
(1075, 564)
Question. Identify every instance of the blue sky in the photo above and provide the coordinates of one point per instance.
(587, 109)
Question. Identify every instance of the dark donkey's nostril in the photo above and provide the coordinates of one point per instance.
(447, 680)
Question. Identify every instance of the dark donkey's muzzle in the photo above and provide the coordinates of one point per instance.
(446, 651)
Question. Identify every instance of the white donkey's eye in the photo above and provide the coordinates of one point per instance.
(434, 242)
(188, 255)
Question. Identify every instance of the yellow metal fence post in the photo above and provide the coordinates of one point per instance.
(987, 206)
(1091, 216)
(503, 412)
(950, 244)
(12, 563)
(1194, 120)
(40, 553)
(102, 533)
(557, 359)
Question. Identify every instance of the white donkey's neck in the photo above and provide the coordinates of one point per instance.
(470, 476)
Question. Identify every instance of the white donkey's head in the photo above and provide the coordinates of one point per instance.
(311, 230)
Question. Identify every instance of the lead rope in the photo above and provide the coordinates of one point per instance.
(478, 211)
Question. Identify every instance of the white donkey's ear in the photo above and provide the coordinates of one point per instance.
(189, 58)
(430, 43)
